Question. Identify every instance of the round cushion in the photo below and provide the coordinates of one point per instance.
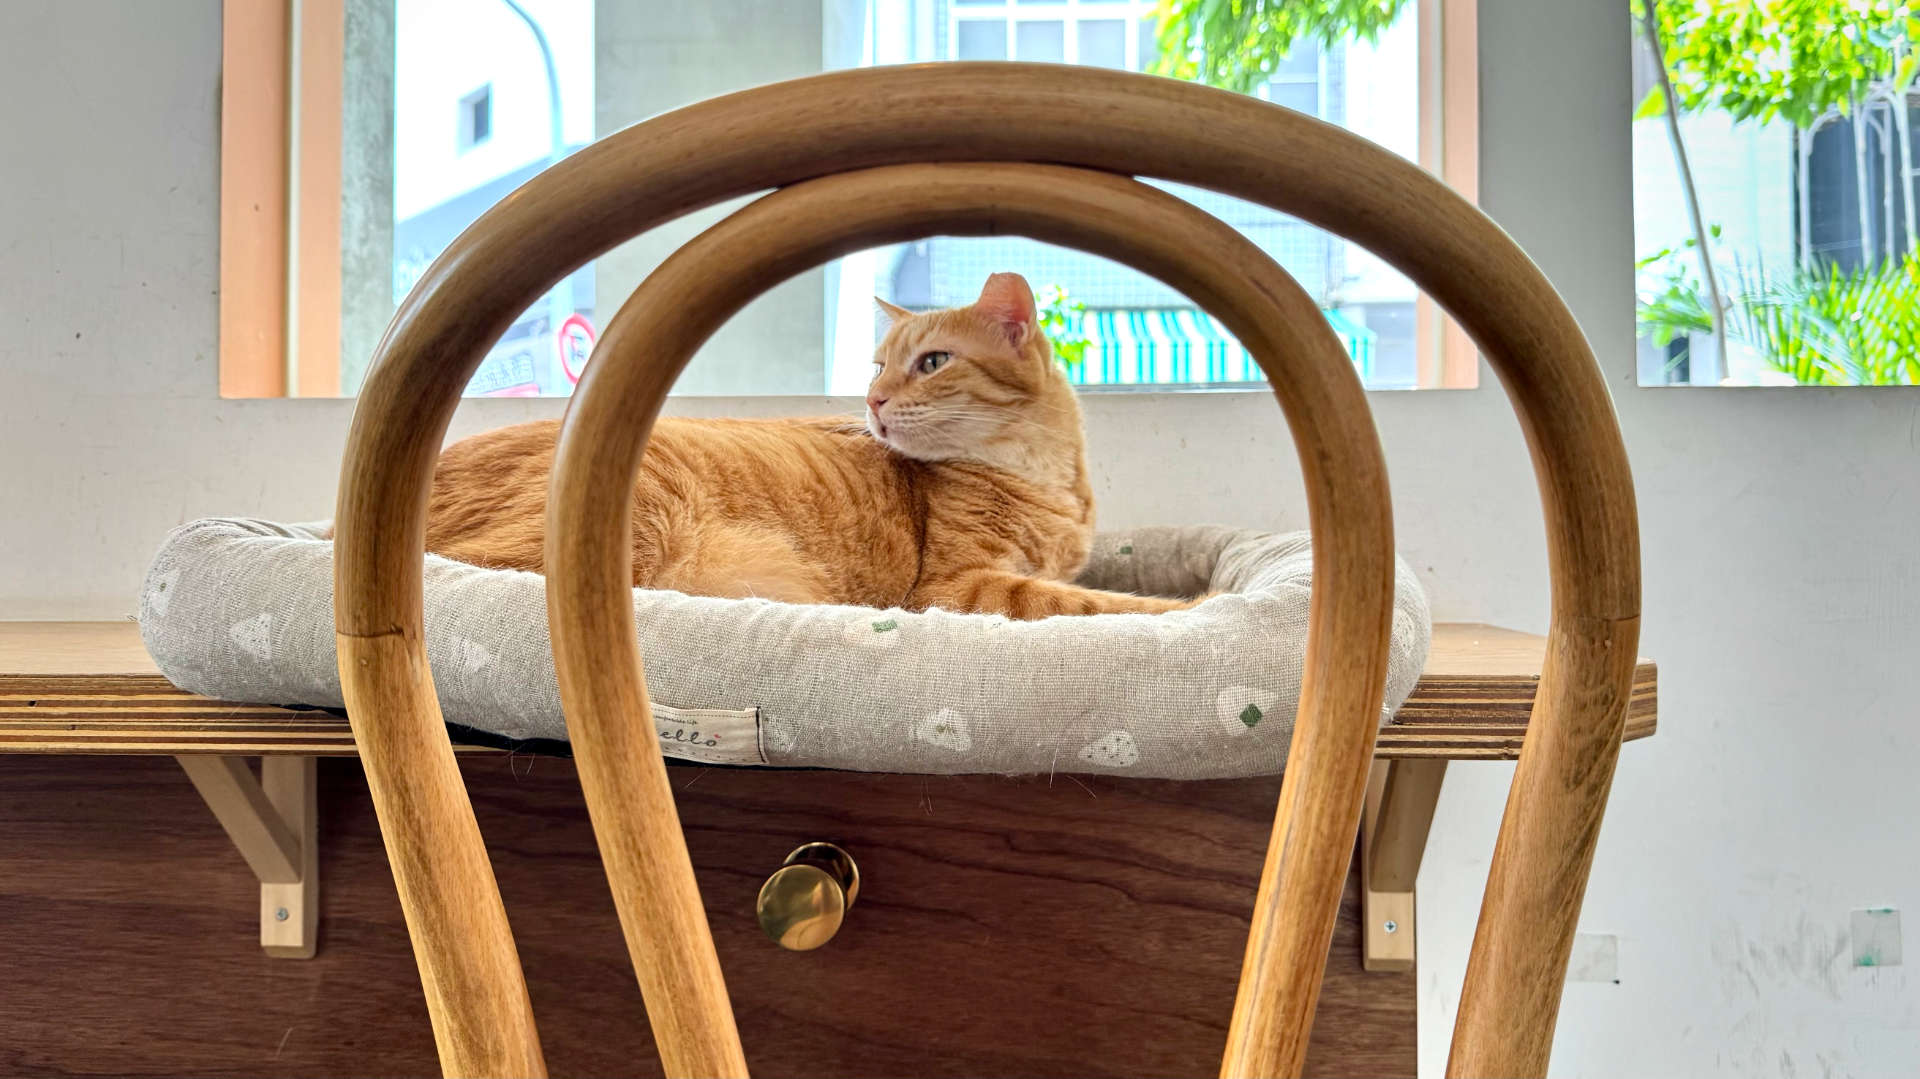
(242, 610)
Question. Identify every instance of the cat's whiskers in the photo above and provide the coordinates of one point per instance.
(1006, 418)
(1004, 439)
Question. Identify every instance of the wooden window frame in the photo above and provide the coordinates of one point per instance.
(1450, 149)
(280, 134)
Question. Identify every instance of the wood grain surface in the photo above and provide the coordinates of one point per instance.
(1009, 927)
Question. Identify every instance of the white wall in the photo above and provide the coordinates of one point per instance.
(447, 49)
(1779, 526)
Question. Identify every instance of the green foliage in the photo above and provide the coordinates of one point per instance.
(1061, 319)
(1823, 327)
(1237, 44)
(1676, 308)
(1834, 327)
(1794, 60)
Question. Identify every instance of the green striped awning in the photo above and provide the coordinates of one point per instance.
(1171, 346)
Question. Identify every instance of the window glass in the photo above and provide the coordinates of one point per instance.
(1129, 330)
(1302, 62)
(1103, 42)
(487, 93)
(535, 107)
(1301, 96)
(1040, 42)
(981, 39)
(1774, 185)
(476, 117)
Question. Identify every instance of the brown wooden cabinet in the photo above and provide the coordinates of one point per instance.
(1078, 926)
(1065, 925)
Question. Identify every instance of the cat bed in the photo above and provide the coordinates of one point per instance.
(242, 610)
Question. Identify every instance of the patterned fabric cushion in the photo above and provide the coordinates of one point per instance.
(243, 610)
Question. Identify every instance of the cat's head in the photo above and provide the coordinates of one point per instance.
(975, 383)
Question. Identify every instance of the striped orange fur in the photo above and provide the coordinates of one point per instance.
(965, 488)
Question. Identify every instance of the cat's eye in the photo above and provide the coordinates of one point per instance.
(932, 362)
(878, 369)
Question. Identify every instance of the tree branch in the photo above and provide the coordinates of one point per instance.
(1716, 302)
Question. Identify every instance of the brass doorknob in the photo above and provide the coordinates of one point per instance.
(802, 904)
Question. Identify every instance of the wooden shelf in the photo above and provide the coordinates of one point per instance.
(89, 687)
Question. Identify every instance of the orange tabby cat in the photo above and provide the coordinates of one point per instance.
(966, 489)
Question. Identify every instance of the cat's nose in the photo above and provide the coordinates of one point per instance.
(874, 402)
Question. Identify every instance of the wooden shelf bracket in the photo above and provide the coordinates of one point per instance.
(1401, 795)
(273, 822)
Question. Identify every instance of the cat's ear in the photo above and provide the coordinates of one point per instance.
(1008, 301)
(893, 312)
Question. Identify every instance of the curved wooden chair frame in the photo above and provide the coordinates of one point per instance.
(590, 551)
(1009, 118)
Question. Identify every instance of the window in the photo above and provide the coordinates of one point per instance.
(369, 181)
(1093, 32)
(1836, 230)
(981, 39)
(1783, 187)
(358, 218)
(476, 117)
(1125, 330)
(1299, 81)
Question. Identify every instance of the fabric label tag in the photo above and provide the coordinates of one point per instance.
(710, 735)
